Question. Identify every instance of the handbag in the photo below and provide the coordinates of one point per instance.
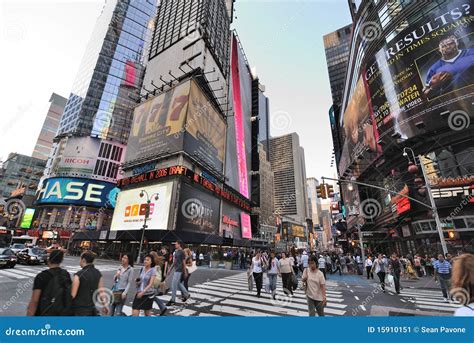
(294, 281)
(250, 281)
(266, 283)
(192, 268)
(390, 280)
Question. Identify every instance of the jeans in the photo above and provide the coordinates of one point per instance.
(117, 308)
(273, 282)
(286, 279)
(444, 284)
(315, 306)
(396, 281)
(175, 284)
(160, 303)
(258, 277)
(381, 276)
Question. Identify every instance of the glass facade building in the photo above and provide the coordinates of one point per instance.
(20, 171)
(111, 73)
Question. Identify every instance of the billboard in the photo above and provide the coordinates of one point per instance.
(424, 73)
(158, 124)
(198, 211)
(79, 156)
(129, 214)
(76, 191)
(181, 119)
(27, 218)
(205, 130)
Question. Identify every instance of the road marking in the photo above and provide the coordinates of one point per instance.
(355, 296)
(363, 307)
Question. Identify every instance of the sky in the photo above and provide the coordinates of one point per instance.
(43, 43)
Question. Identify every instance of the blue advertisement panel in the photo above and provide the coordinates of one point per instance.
(75, 191)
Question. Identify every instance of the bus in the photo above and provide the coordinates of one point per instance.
(6, 236)
(24, 239)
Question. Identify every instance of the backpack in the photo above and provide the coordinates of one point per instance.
(56, 299)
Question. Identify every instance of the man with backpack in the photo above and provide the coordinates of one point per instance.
(51, 290)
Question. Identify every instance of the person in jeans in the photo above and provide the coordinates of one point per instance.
(315, 285)
(322, 265)
(273, 273)
(85, 284)
(256, 267)
(179, 266)
(442, 269)
(285, 269)
(145, 288)
(41, 282)
(380, 269)
(122, 281)
(395, 268)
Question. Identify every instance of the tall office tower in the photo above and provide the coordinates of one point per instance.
(287, 160)
(50, 127)
(264, 118)
(82, 170)
(313, 200)
(337, 46)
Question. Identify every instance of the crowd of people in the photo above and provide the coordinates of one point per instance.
(56, 294)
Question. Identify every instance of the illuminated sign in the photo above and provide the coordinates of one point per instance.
(229, 221)
(27, 218)
(129, 213)
(246, 225)
(77, 191)
(450, 192)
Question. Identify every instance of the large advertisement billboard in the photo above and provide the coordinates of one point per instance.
(198, 211)
(427, 70)
(27, 218)
(181, 119)
(76, 191)
(79, 156)
(129, 214)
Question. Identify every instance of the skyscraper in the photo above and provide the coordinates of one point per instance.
(78, 189)
(287, 160)
(313, 201)
(50, 127)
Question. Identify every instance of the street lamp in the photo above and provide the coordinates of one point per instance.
(430, 195)
(147, 215)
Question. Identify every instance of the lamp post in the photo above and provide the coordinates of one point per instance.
(147, 215)
(430, 196)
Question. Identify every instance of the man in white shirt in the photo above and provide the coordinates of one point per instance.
(322, 265)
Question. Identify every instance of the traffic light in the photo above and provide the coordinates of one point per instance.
(330, 191)
(321, 191)
(451, 234)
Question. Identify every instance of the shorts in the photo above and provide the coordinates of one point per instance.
(144, 303)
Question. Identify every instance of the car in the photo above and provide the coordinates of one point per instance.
(7, 258)
(16, 247)
(33, 255)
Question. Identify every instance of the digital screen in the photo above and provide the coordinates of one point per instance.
(27, 218)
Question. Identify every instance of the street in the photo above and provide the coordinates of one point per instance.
(220, 292)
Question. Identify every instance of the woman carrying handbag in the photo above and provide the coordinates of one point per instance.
(122, 281)
(314, 285)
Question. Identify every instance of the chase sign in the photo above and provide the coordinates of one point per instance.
(76, 191)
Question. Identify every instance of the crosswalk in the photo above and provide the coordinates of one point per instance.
(229, 296)
(26, 271)
(428, 300)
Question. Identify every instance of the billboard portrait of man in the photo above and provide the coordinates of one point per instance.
(454, 70)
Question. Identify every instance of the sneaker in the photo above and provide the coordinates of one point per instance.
(171, 303)
(186, 298)
(163, 311)
(446, 300)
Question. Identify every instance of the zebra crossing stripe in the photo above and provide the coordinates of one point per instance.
(13, 275)
(239, 311)
(19, 272)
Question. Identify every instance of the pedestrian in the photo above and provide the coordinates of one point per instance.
(158, 281)
(286, 270)
(272, 273)
(87, 282)
(442, 269)
(201, 258)
(322, 265)
(337, 262)
(395, 269)
(51, 290)
(304, 261)
(315, 287)
(257, 267)
(360, 266)
(368, 267)
(242, 259)
(417, 262)
(380, 269)
(328, 265)
(188, 260)
(145, 288)
(122, 282)
(179, 266)
(463, 279)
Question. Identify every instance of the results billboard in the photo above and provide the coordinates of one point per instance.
(129, 214)
(181, 119)
(198, 211)
(76, 191)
